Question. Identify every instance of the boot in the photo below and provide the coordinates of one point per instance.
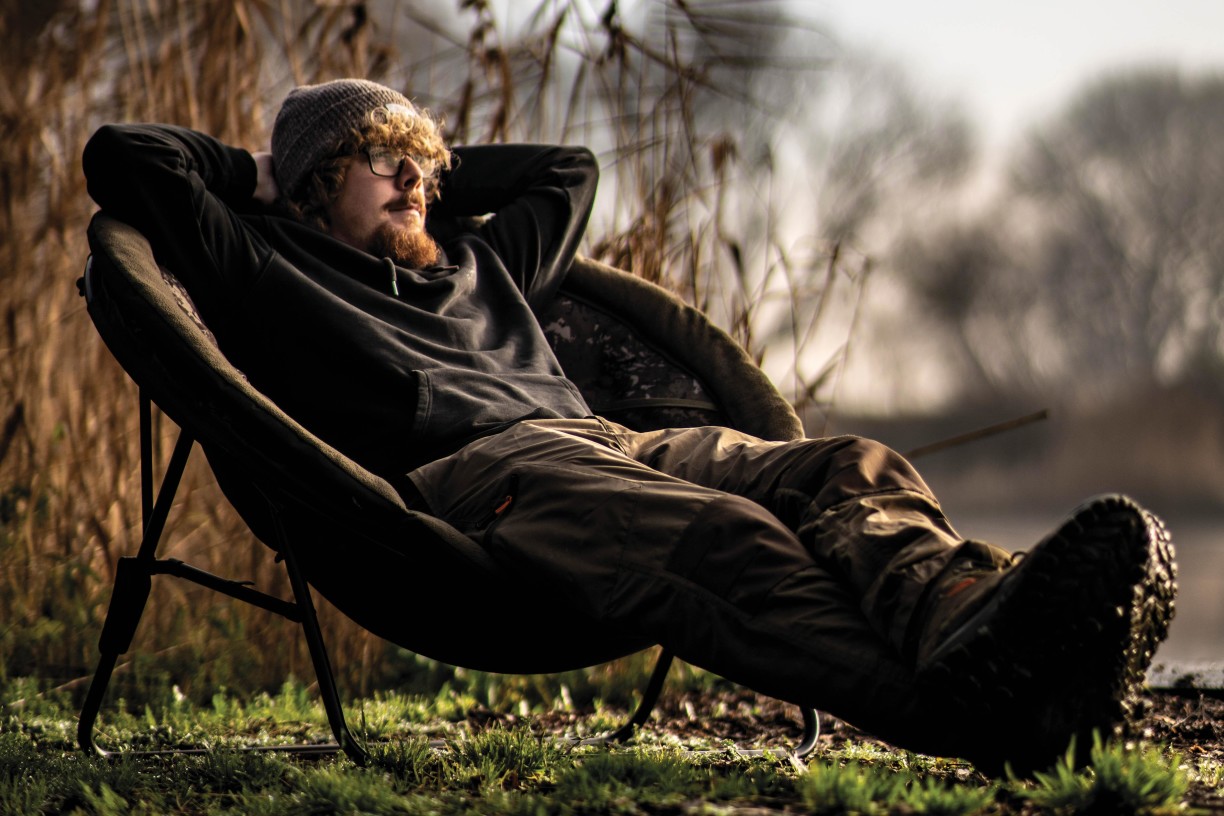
(1056, 646)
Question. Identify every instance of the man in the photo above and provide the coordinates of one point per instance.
(346, 274)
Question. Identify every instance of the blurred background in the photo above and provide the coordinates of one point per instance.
(923, 220)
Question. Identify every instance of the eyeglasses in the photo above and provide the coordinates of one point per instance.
(384, 162)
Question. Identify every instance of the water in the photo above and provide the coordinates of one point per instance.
(1196, 638)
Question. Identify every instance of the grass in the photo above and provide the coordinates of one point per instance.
(1139, 780)
(429, 756)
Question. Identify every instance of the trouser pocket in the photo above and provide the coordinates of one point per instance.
(566, 530)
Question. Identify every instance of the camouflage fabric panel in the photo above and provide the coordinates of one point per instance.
(622, 378)
(186, 303)
(188, 306)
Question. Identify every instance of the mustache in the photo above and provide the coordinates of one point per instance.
(408, 200)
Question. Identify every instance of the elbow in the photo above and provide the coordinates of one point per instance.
(102, 147)
(103, 157)
(583, 164)
(120, 158)
(584, 158)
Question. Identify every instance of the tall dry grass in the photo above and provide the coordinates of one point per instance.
(664, 95)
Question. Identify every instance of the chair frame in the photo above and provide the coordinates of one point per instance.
(132, 586)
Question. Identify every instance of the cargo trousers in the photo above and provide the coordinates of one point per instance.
(796, 569)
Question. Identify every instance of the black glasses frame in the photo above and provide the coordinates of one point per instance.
(428, 167)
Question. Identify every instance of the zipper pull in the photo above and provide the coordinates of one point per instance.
(497, 512)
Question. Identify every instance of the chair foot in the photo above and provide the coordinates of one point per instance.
(811, 733)
(93, 704)
(642, 713)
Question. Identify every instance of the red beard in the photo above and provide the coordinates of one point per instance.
(415, 249)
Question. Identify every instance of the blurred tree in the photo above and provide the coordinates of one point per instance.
(951, 271)
(882, 148)
(1126, 194)
(1100, 267)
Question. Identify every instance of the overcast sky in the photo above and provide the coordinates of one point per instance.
(1011, 63)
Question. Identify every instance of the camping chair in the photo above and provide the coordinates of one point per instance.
(300, 496)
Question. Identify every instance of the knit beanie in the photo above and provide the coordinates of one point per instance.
(316, 118)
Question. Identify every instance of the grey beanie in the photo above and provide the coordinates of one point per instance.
(315, 118)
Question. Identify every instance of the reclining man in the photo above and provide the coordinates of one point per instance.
(344, 274)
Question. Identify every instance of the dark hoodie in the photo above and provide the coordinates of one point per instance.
(392, 380)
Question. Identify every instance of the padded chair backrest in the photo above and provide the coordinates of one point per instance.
(646, 359)
(358, 544)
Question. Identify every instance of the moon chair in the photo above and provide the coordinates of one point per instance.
(639, 355)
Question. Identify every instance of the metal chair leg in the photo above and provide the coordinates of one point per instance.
(133, 582)
(807, 743)
(93, 704)
(131, 589)
(318, 651)
(650, 696)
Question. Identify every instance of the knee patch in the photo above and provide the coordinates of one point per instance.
(857, 467)
(737, 550)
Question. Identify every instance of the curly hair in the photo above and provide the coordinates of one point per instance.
(416, 132)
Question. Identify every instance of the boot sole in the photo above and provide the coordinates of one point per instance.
(1103, 589)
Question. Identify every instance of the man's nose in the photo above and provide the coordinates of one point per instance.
(410, 174)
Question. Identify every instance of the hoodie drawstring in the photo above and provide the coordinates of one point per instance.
(394, 276)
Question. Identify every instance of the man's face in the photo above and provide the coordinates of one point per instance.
(383, 214)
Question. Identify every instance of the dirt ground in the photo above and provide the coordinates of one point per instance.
(1189, 722)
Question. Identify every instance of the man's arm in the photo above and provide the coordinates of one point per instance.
(183, 190)
(540, 196)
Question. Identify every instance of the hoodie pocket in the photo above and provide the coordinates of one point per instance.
(457, 403)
